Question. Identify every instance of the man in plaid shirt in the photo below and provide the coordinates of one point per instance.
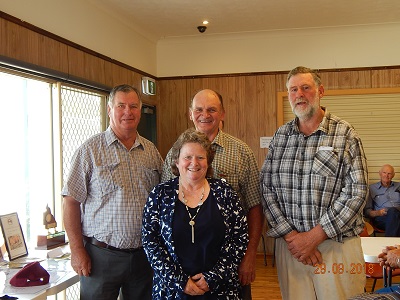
(314, 183)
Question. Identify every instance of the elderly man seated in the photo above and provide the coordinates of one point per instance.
(383, 204)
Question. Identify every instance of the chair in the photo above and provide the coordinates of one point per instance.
(265, 252)
(368, 230)
(377, 230)
(375, 271)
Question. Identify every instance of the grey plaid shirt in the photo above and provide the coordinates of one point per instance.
(235, 162)
(317, 179)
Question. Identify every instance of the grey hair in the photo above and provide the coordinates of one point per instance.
(125, 88)
(304, 70)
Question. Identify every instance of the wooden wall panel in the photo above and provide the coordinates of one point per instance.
(385, 78)
(266, 112)
(355, 79)
(51, 54)
(172, 113)
(249, 100)
(84, 65)
(330, 80)
(115, 75)
(280, 82)
(25, 45)
(346, 79)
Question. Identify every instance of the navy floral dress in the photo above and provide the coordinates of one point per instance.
(169, 278)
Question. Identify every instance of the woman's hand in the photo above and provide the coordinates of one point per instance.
(196, 285)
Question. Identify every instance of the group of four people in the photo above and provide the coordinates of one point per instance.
(199, 229)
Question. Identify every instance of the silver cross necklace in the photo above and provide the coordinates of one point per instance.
(192, 222)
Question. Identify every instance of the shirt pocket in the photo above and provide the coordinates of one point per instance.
(231, 178)
(105, 178)
(325, 163)
(150, 178)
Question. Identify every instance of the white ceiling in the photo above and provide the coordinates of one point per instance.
(159, 19)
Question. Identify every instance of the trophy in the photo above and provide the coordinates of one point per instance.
(53, 238)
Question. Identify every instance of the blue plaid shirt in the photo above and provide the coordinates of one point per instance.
(317, 179)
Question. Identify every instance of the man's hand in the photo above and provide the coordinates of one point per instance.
(378, 213)
(304, 245)
(247, 269)
(389, 256)
(303, 249)
(81, 262)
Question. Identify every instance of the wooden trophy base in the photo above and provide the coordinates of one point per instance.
(51, 240)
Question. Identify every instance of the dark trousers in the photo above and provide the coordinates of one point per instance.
(246, 292)
(390, 223)
(115, 271)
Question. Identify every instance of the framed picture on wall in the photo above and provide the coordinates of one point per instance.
(13, 236)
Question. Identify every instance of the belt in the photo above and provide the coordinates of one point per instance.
(93, 241)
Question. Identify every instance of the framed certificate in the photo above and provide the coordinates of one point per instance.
(13, 236)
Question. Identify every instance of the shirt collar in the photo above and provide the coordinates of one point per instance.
(219, 139)
(112, 138)
(390, 185)
(323, 126)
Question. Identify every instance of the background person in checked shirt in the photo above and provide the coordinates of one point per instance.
(314, 185)
(235, 162)
(383, 205)
(111, 177)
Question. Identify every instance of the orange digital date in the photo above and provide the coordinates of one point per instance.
(339, 268)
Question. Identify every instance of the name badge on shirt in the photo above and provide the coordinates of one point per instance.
(325, 148)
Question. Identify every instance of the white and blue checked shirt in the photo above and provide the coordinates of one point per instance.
(317, 179)
(112, 184)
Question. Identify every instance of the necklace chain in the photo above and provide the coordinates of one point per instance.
(192, 222)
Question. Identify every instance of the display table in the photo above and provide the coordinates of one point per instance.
(61, 273)
(373, 246)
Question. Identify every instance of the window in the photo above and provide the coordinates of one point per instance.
(43, 124)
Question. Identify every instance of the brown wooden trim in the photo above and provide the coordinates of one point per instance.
(222, 75)
(53, 36)
(276, 73)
